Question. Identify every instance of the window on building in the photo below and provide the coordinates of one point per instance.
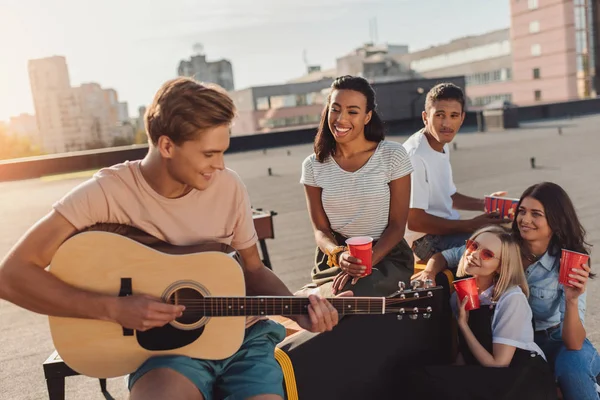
(537, 95)
(533, 4)
(262, 103)
(581, 41)
(580, 63)
(282, 101)
(536, 50)
(580, 22)
(536, 73)
(534, 26)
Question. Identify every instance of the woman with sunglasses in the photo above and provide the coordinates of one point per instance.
(497, 334)
(547, 222)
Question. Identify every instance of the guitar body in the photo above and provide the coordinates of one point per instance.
(107, 263)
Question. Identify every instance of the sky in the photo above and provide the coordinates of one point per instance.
(133, 46)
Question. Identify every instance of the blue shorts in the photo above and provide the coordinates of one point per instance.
(251, 371)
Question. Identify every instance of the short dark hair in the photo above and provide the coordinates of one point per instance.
(445, 91)
(184, 107)
(374, 131)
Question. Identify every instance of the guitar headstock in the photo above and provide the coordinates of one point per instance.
(396, 303)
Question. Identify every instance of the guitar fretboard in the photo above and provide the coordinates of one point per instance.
(287, 305)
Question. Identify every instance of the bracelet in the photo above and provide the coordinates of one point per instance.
(334, 255)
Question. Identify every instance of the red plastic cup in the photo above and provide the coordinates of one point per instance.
(569, 260)
(509, 208)
(361, 247)
(512, 211)
(494, 205)
(488, 204)
(468, 288)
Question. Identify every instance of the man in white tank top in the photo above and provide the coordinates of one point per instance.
(433, 219)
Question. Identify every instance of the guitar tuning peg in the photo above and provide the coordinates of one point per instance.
(429, 294)
(401, 311)
(429, 309)
(416, 310)
(416, 295)
(415, 284)
(413, 316)
(401, 286)
(399, 317)
(428, 283)
(399, 292)
(426, 316)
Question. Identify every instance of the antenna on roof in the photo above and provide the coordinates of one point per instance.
(373, 30)
(198, 48)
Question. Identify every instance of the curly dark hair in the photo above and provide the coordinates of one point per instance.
(374, 131)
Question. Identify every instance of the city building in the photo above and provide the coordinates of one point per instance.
(263, 109)
(70, 118)
(25, 126)
(299, 105)
(555, 50)
(484, 60)
(197, 67)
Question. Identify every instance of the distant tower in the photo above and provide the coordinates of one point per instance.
(198, 48)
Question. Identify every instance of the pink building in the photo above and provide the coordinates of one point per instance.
(554, 50)
(549, 54)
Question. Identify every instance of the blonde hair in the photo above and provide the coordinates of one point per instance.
(510, 271)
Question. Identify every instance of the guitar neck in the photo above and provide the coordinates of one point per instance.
(285, 306)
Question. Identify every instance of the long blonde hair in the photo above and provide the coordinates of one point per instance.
(510, 271)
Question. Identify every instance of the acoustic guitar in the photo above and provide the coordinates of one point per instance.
(209, 283)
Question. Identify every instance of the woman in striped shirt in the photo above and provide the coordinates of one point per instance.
(357, 184)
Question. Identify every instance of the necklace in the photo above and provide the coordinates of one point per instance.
(531, 257)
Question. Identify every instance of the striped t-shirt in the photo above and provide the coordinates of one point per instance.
(358, 203)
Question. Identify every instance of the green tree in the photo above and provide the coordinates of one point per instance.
(141, 137)
(12, 146)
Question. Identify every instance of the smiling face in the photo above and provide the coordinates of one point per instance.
(532, 222)
(348, 115)
(482, 256)
(442, 121)
(194, 162)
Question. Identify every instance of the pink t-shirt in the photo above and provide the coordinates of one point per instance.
(120, 194)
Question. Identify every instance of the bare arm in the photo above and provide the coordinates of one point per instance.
(573, 331)
(394, 232)
(467, 203)
(436, 264)
(502, 353)
(421, 221)
(260, 280)
(25, 282)
(320, 222)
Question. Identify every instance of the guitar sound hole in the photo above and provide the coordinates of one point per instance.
(190, 299)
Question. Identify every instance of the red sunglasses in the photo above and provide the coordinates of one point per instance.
(485, 254)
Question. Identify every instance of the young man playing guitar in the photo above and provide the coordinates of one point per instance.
(180, 193)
